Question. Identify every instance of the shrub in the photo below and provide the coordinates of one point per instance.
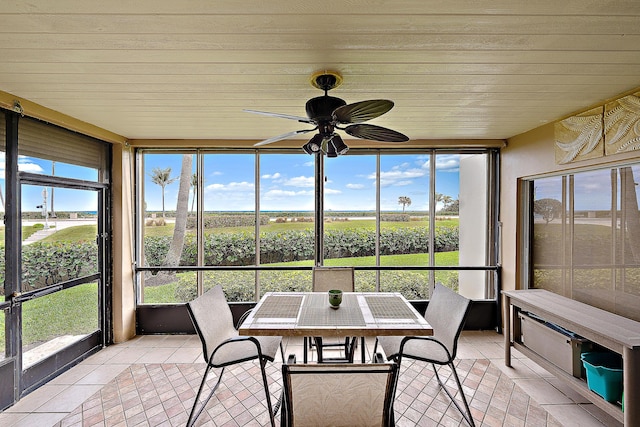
(239, 286)
(45, 264)
(230, 249)
(395, 217)
(219, 221)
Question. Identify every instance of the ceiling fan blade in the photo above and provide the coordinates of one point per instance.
(375, 133)
(282, 116)
(283, 136)
(362, 111)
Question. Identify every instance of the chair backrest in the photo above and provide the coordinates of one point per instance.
(339, 394)
(212, 319)
(327, 278)
(446, 313)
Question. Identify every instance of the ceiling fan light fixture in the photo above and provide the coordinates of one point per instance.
(331, 150)
(313, 146)
(338, 144)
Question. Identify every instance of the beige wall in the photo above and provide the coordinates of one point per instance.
(122, 210)
(124, 301)
(525, 156)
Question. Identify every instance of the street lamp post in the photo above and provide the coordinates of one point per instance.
(45, 210)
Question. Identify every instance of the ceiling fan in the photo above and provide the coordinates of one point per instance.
(328, 113)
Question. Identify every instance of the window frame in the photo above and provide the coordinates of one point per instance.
(492, 250)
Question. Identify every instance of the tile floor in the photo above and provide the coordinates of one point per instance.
(152, 380)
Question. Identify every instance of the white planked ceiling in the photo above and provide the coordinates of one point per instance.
(168, 69)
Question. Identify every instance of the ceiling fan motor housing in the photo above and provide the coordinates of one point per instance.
(320, 108)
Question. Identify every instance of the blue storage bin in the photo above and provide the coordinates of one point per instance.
(604, 374)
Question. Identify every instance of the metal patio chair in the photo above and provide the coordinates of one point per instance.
(446, 313)
(222, 346)
(341, 394)
(325, 279)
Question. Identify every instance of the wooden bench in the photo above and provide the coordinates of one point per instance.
(617, 333)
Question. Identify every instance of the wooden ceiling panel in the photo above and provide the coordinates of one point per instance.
(160, 69)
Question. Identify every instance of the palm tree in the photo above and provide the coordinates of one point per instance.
(404, 201)
(194, 185)
(180, 228)
(443, 198)
(162, 177)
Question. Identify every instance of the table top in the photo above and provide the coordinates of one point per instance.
(309, 314)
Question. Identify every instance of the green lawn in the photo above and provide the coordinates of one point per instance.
(274, 227)
(80, 233)
(74, 311)
(27, 231)
(166, 293)
(70, 312)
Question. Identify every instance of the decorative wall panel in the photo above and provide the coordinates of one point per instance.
(580, 137)
(622, 125)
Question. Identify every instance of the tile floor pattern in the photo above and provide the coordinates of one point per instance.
(152, 380)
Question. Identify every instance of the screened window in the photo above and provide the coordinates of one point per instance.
(262, 220)
(585, 237)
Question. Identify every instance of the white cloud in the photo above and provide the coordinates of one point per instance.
(25, 164)
(29, 167)
(300, 181)
(448, 163)
(330, 191)
(398, 177)
(232, 186)
(355, 186)
(271, 176)
(280, 194)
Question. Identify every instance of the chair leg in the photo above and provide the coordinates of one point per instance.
(263, 363)
(192, 418)
(350, 348)
(317, 342)
(466, 414)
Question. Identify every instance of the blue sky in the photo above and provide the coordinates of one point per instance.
(592, 189)
(287, 181)
(65, 199)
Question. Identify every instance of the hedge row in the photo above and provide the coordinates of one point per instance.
(395, 217)
(240, 285)
(45, 264)
(211, 221)
(239, 248)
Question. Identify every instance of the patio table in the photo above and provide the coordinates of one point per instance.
(361, 314)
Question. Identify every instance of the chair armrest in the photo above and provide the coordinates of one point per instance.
(378, 358)
(291, 359)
